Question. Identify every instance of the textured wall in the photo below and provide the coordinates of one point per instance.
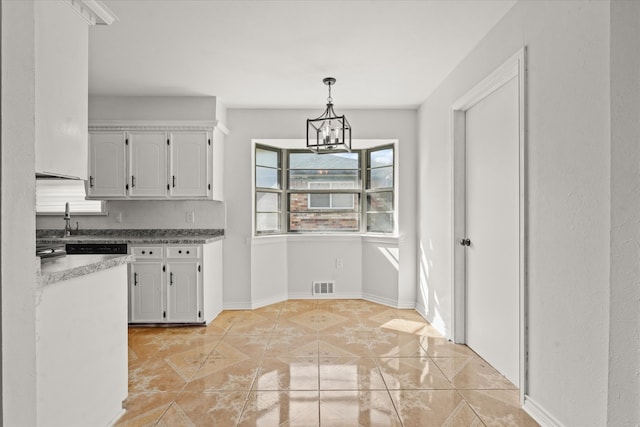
(568, 172)
(17, 262)
(624, 339)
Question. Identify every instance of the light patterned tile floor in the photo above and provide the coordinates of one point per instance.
(313, 363)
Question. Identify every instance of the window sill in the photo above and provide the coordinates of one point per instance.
(328, 237)
(73, 214)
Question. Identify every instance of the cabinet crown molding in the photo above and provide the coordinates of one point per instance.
(156, 125)
(94, 12)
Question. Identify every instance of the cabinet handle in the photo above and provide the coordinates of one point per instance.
(135, 279)
(133, 181)
(174, 181)
(90, 181)
(170, 279)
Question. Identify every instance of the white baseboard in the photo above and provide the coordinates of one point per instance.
(309, 295)
(267, 301)
(381, 300)
(538, 413)
(241, 305)
(407, 305)
(116, 418)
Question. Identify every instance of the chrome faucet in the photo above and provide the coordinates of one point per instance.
(67, 221)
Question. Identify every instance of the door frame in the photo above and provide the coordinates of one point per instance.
(514, 67)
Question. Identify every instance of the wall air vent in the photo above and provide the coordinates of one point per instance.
(323, 287)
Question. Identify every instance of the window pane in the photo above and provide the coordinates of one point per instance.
(324, 161)
(381, 177)
(53, 194)
(267, 202)
(342, 201)
(267, 222)
(380, 201)
(267, 177)
(380, 222)
(267, 158)
(324, 179)
(380, 158)
(319, 201)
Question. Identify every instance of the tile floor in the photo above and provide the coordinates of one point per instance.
(312, 363)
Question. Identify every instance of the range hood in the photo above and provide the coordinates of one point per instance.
(51, 175)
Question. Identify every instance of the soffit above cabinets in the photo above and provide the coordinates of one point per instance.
(95, 12)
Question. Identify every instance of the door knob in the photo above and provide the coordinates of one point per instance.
(465, 242)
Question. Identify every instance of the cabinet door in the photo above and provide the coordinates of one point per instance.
(183, 290)
(146, 293)
(189, 161)
(148, 160)
(107, 156)
(61, 64)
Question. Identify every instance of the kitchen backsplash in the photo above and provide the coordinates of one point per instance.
(147, 214)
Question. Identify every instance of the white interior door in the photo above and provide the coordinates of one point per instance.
(492, 224)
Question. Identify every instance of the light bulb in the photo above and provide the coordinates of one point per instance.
(336, 134)
(326, 135)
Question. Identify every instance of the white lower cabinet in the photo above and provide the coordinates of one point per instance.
(146, 296)
(182, 297)
(175, 283)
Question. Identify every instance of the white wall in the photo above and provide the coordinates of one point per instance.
(248, 124)
(313, 258)
(198, 108)
(568, 172)
(269, 274)
(624, 327)
(17, 260)
(145, 214)
(381, 275)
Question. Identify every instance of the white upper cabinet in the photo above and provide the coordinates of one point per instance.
(148, 164)
(61, 89)
(107, 165)
(159, 161)
(189, 164)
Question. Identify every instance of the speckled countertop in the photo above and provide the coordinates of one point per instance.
(133, 236)
(54, 270)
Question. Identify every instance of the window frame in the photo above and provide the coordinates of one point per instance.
(380, 190)
(277, 191)
(286, 147)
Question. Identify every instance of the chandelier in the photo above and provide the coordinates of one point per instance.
(329, 133)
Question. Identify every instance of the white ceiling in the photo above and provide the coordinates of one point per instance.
(263, 53)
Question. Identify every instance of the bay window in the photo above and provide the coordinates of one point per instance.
(298, 191)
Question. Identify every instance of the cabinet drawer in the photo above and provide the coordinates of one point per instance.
(147, 252)
(183, 252)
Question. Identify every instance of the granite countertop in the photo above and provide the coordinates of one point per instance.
(133, 236)
(57, 269)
